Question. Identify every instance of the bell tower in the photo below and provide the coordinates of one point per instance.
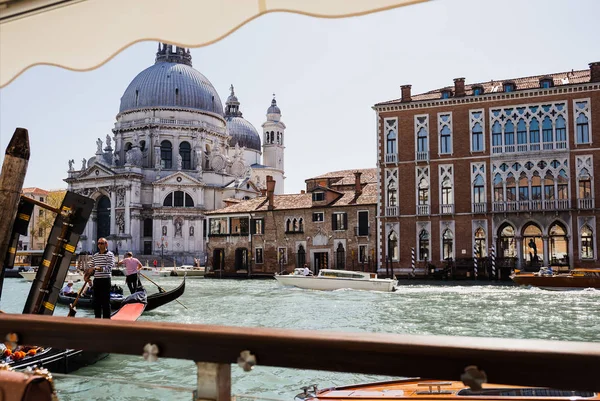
(273, 138)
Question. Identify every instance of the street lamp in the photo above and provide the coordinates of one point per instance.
(162, 244)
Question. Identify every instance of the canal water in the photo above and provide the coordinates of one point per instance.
(463, 309)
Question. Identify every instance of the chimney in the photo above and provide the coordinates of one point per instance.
(595, 71)
(302, 191)
(405, 93)
(357, 187)
(270, 191)
(459, 87)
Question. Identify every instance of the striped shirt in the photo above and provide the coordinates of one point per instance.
(104, 260)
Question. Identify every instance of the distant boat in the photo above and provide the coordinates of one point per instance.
(576, 279)
(71, 276)
(329, 279)
(189, 271)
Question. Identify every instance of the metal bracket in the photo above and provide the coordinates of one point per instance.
(150, 352)
(246, 361)
(473, 377)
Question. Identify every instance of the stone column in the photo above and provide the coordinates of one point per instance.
(546, 247)
(113, 213)
(519, 241)
(127, 210)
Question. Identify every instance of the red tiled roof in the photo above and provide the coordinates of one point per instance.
(559, 79)
(299, 201)
(34, 191)
(369, 175)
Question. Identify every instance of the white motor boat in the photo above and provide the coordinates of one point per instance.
(329, 279)
(189, 271)
(71, 276)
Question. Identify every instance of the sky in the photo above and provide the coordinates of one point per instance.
(326, 75)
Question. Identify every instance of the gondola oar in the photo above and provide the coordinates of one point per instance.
(72, 307)
(160, 289)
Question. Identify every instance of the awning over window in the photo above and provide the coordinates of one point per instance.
(84, 34)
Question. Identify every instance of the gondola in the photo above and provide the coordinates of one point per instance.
(154, 300)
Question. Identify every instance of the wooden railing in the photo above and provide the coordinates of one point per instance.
(561, 365)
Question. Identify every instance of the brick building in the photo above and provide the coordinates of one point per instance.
(37, 234)
(505, 165)
(330, 225)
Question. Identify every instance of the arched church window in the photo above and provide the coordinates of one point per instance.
(166, 154)
(178, 199)
(185, 151)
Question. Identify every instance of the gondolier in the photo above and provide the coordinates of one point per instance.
(101, 266)
(132, 266)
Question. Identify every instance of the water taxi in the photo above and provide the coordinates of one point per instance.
(576, 279)
(71, 276)
(329, 279)
(437, 390)
(189, 271)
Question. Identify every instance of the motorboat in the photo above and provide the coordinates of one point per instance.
(71, 276)
(189, 271)
(547, 279)
(421, 389)
(330, 279)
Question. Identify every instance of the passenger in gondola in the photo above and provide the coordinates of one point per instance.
(132, 267)
(68, 289)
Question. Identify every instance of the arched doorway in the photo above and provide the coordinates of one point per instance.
(103, 217)
(301, 256)
(340, 257)
(559, 245)
(533, 247)
(507, 247)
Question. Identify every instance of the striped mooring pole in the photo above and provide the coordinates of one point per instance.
(475, 260)
(493, 255)
(412, 255)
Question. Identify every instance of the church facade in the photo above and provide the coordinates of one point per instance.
(175, 153)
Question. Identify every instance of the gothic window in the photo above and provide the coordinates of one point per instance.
(445, 127)
(549, 186)
(583, 133)
(166, 154)
(498, 189)
(511, 188)
(478, 190)
(534, 134)
(422, 137)
(497, 137)
(301, 225)
(536, 187)
(446, 189)
(559, 253)
(391, 142)
(585, 187)
(340, 256)
(142, 145)
(587, 242)
(301, 256)
(424, 245)
(258, 256)
(447, 244)
(447, 193)
(523, 188)
(423, 192)
(393, 251)
(533, 246)
(522, 134)
(547, 133)
(288, 225)
(509, 135)
(561, 132)
(391, 192)
(476, 125)
(185, 151)
(480, 242)
(506, 242)
(178, 199)
(562, 185)
(422, 144)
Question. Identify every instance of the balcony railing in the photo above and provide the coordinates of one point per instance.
(391, 158)
(422, 156)
(587, 203)
(532, 147)
(532, 205)
(423, 210)
(447, 208)
(391, 211)
(480, 207)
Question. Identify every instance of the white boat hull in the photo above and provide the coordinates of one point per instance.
(331, 283)
(74, 277)
(188, 272)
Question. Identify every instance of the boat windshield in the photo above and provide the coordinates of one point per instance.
(342, 274)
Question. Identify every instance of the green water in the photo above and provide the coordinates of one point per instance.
(470, 310)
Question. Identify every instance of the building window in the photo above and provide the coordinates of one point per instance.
(509, 87)
(185, 151)
(178, 199)
(294, 225)
(362, 253)
(423, 193)
(340, 256)
(282, 256)
(41, 198)
(480, 242)
(339, 221)
(300, 256)
(40, 232)
(318, 196)
(218, 226)
(522, 136)
(498, 189)
(547, 135)
(239, 226)
(583, 129)
(391, 142)
(587, 243)
(424, 245)
(446, 94)
(166, 154)
(585, 188)
(561, 132)
(422, 137)
(422, 142)
(447, 245)
(257, 226)
(258, 256)
(546, 83)
(447, 192)
(41, 212)
(445, 132)
(391, 194)
(147, 227)
(497, 137)
(559, 253)
(478, 190)
(318, 217)
(507, 247)
(476, 125)
(393, 251)
(477, 90)
(363, 223)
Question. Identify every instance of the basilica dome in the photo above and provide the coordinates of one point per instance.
(171, 82)
(242, 132)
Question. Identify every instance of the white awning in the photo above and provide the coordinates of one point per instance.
(84, 34)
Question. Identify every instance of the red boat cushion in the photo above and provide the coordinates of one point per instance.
(129, 312)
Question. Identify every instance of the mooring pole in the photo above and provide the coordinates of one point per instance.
(12, 177)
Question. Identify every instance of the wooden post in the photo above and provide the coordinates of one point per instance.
(12, 177)
(214, 382)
